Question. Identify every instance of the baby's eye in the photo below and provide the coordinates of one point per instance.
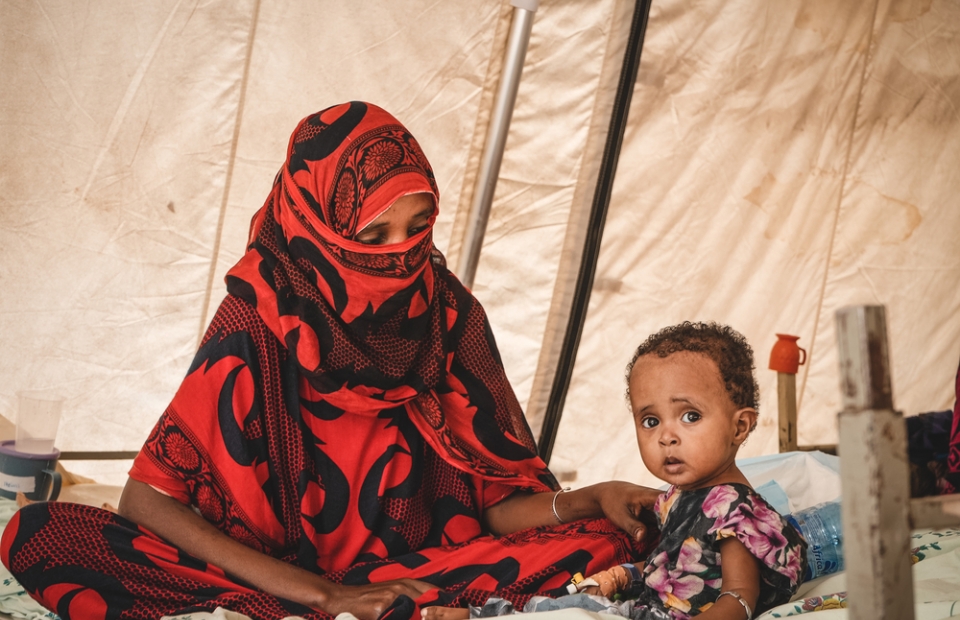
(691, 417)
(649, 422)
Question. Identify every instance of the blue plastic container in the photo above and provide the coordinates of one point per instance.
(820, 525)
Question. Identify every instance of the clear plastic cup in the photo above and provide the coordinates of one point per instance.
(38, 418)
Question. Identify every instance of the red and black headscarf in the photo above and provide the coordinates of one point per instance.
(376, 327)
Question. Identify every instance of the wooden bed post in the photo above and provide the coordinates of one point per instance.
(874, 472)
(787, 408)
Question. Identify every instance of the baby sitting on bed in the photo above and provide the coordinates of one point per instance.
(724, 553)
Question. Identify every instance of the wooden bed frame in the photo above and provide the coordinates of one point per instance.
(878, 514)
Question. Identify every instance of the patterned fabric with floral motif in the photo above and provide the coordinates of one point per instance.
(811, 604)
(683, 576)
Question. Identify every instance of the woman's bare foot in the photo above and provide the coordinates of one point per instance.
(444, 613)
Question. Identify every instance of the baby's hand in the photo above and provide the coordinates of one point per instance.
(444, 613)
(607, 582)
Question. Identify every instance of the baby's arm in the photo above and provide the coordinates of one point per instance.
(740, 574)
(616, 579)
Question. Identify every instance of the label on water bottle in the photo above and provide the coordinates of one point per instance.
(821, 560)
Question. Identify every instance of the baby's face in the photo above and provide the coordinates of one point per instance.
(687, 426)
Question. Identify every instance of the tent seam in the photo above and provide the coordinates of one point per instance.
(231, 164)
(578, 219)
(843, 186)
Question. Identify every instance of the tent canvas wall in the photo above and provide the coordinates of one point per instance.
(781, 160)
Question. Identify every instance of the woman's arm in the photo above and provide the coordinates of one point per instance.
(740, 573)
(187, 530)
(621, 502)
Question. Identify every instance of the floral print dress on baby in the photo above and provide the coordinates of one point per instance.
(682, 576)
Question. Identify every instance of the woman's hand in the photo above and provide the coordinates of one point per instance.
(623, 503)
(368, 602)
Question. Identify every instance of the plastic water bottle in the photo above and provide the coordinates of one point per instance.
(823, 531)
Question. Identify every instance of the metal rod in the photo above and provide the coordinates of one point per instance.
(492, 155)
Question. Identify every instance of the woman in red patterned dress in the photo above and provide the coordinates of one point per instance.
(345, 439)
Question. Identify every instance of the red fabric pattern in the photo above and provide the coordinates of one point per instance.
(372, 327)
(274, 466)
(111, 568)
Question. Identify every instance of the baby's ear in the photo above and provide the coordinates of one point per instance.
(746, 421)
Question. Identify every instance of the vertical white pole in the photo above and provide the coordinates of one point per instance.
(874, 472)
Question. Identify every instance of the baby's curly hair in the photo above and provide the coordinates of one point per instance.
(724, 345)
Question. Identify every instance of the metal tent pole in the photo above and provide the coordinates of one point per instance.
(492, 156)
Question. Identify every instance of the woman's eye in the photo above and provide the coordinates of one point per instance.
(691, 416)
(649, 422)
(417, 230)
(375, 240)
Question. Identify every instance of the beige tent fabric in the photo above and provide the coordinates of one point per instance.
(617, 28)
(426, 62)
(898, 232)
(780, 162)
(116, 143)
(546, 181)
(139, 140)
